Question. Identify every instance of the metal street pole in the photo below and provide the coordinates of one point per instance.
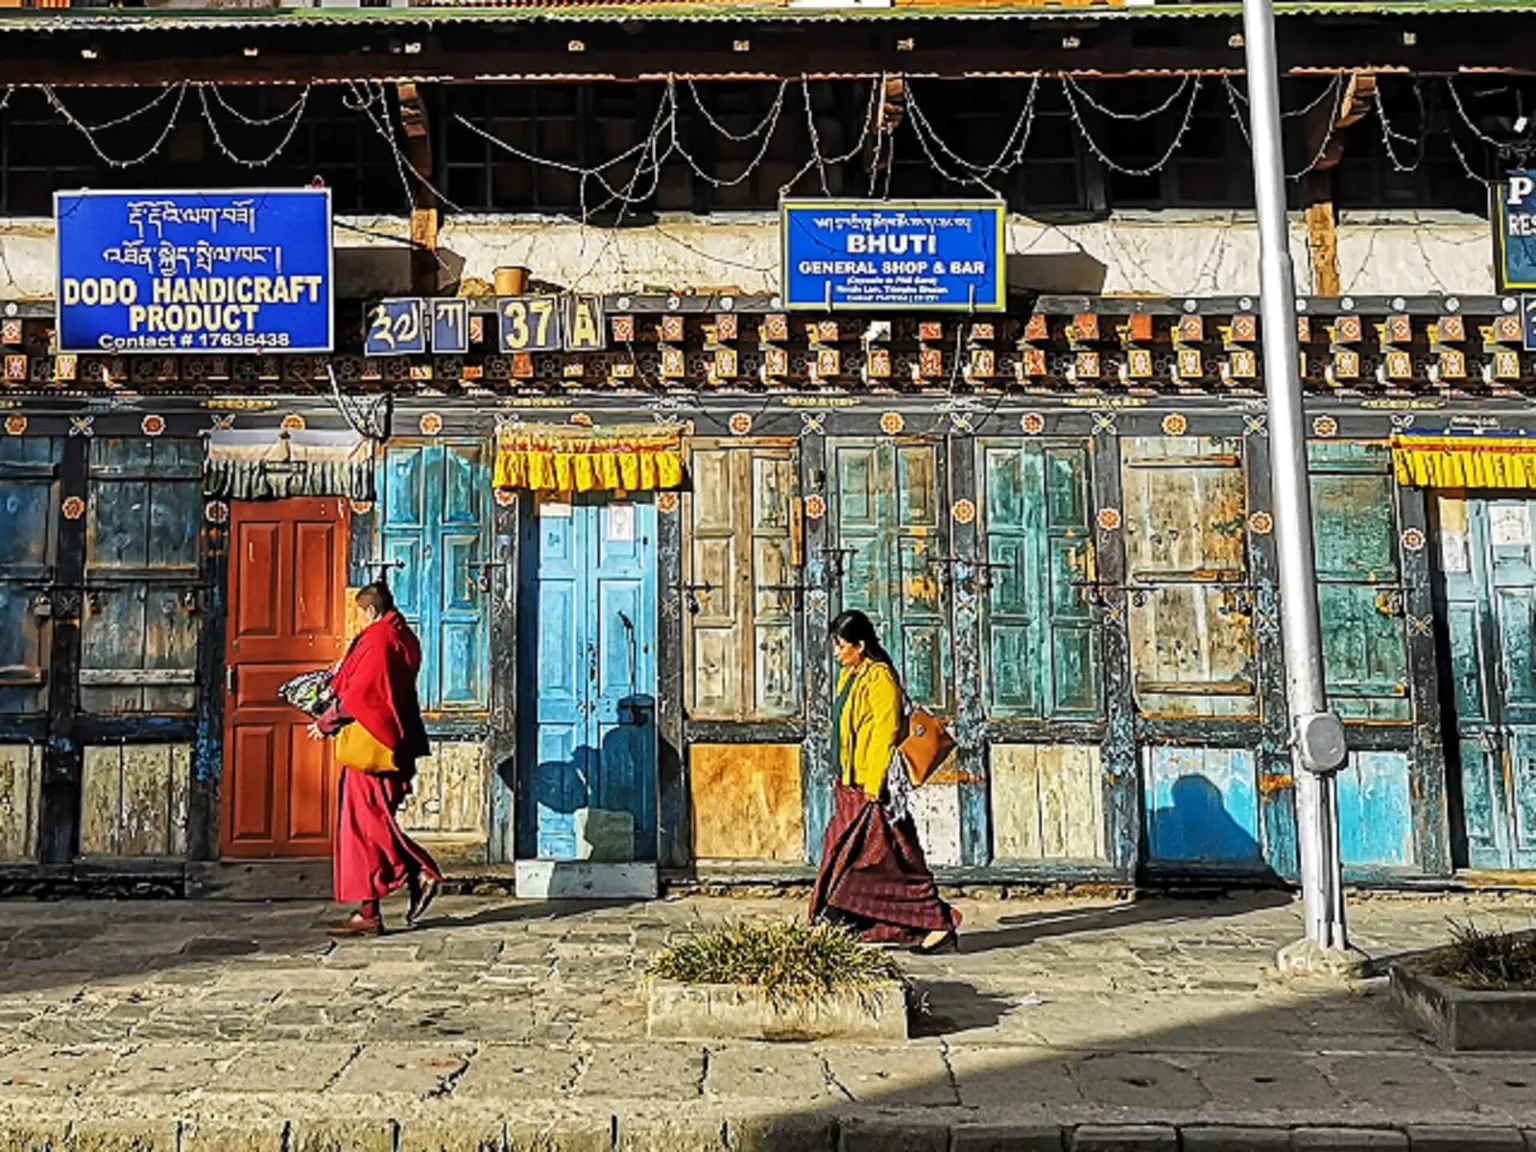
(1316, 734)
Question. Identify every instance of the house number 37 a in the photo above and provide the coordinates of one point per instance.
(530, 324)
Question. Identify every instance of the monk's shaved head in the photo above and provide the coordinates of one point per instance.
(376, 598)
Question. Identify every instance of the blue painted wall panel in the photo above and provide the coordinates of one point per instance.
(1375, 812)
(1202, 806)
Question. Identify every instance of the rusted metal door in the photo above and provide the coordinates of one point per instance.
(1489, 568)
(894, 555)
(742, 573)
(1041, 652)
(287, 604)
(1192, 646)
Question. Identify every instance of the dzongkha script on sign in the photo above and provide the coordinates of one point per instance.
(151, 272)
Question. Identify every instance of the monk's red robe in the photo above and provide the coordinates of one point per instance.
(376, 689)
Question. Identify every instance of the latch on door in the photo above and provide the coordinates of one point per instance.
(693, 590)
(835, 562)
(1489, 742)
(481, 579)
(377, 568)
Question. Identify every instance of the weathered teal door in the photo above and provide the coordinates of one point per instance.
(886, 499)
(1365, 647)
(434, 522)
(587, 682)
(1041, 655)
(1359, 591)
(1490, 607)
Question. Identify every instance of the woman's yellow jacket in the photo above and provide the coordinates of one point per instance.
(870, 726)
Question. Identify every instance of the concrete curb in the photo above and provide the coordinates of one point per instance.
(910, 1133)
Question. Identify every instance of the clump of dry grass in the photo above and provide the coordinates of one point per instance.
(1486, 961)
(787, 959)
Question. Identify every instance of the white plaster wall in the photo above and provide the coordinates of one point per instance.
(1424, 253)
(1157, 254)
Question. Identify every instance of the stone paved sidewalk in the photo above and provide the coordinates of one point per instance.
(182, 1026)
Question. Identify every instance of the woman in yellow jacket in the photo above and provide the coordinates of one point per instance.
(873, 876)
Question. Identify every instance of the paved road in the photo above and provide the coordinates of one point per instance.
(186, 1026)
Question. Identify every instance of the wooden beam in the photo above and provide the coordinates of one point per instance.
(424, 203)
(1322, 232)
(1325, 147)
(460, 51)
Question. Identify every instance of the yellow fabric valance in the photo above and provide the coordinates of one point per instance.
(1464, 460)
(560, 458)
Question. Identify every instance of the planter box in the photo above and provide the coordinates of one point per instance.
(739, 1012)
(1462, 1020)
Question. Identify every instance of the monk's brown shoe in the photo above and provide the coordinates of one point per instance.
(357, 925)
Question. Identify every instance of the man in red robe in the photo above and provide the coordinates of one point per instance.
(379, 737)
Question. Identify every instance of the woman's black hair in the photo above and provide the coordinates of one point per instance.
(853, 627)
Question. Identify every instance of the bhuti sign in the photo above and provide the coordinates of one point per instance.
(194, 271)
(914, 256)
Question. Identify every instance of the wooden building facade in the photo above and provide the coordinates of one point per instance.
(1059, 515)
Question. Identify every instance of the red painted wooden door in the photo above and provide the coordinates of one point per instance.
(287, 614)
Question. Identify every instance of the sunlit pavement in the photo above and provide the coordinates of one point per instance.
(190, 1025)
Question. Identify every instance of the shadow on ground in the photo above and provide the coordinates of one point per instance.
(1019, 931)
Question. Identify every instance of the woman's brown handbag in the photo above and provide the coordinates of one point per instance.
(927, 746)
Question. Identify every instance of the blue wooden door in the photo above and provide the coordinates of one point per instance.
(434, 520)
(587, 670)
(1490, 608)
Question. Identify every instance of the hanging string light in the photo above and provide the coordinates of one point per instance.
(817, 160)
(1122, 169)
(766, 128)
(767, 124)
(1235, 99)
(296, 112)
(631, 178)
(1008, 158)
(1082, 94)
(1290, 113)
(89, 130)
(1518, 147)
(1389, 134)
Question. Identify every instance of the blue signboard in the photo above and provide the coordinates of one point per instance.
(194, 271)
(450, 327)
(1515, 223)
(917, 256)
(395, 328)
